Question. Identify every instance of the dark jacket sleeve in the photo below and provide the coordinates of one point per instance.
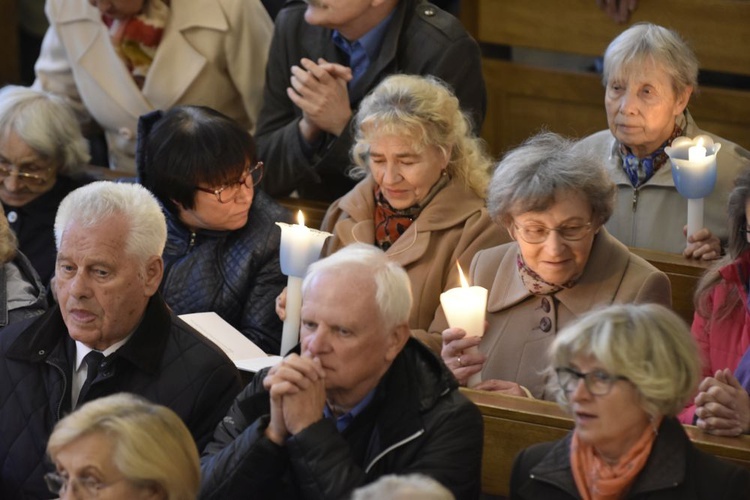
(214, 397)
(240, 459)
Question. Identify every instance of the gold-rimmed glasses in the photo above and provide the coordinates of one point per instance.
(227, 193)
(537, 233)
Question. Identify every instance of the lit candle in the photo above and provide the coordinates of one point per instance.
(464, 308)
(697, 152)
(300, 247)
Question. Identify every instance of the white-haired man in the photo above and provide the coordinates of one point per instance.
(111, 332)
(326, 55)
(363, 399)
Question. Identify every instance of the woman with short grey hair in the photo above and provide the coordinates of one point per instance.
(553, 198)
(623, 373)
(650, 73)
(41, 148)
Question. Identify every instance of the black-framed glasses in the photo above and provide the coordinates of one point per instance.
(32, 174)
(597, 382)
(746, 232)
(228, 192)
(537, 233)
(89, 487)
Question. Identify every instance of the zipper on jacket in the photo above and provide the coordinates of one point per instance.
(393, 447)
(65, 389)
(635, 199)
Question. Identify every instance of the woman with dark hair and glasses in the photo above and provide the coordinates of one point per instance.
(41, 150)
(553, 198)
(623, 373)
(721, 324)
(222, 251)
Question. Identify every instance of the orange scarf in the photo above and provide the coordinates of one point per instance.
(596, 479)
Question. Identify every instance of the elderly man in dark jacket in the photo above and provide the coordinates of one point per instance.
(326, 55)
(362, 400)
(111, 332)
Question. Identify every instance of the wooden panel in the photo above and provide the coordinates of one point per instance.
(8, 42)
(718, 31)
(313, 210)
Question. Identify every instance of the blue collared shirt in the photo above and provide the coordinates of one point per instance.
(346, 419)
(364, 51)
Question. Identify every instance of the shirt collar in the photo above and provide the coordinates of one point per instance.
(370, 41)
(82, 350)
(346, 419)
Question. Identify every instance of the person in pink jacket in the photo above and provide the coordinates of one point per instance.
(721, 325)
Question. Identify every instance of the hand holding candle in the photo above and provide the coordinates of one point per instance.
(300, 247)
(465, 308)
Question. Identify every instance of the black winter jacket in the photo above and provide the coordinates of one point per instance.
(418, 422)
(675, 470)
(420, 40)
(236, 274)
(164, 361)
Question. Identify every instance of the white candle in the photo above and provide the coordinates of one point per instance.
(300, 247)
(465, 308)
(696, 153)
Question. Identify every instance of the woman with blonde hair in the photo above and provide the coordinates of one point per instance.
(422, 196)
(126, 447)
(624, 372)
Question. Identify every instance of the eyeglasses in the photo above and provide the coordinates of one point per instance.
(227, 193)
(86, 486)
(746, 231)
(597, 382)
(537, 233)
(32, 174)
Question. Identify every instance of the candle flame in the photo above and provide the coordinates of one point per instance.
(464, 282)
(699, 142)
(300, 218)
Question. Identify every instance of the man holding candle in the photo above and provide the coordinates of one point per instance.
(650, 73)
(363, 399)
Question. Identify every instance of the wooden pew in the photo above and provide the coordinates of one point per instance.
(313, 210)
(683, 274)
(512, 424)
(523, 99)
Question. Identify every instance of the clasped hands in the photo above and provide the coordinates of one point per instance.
(702, 245)
(297, 394)
(320, 91)
(723, 405)
(463, 361)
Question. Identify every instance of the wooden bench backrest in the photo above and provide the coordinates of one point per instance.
(512, 424)
(524, 99)
(313, 211)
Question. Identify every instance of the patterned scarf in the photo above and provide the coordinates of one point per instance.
(136, 38)
(598, 480)
(391, 223)
(640, 170)
(534, 283)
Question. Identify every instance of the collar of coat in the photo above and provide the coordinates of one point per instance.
(145, 348)
(600, 280)
(664, 469)
(450, 207)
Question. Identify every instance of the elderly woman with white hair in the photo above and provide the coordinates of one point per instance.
(422, 196)
(650, 73)
(553, 198)
(122, 447)
(41, 148)
(623, 373)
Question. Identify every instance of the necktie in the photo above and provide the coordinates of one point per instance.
(92, 359)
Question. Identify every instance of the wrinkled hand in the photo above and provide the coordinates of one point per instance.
(723, 405)
(281, 305)
(618, 10)
(502, 386)
(702, 245)
(462, 364)
(293, 380)
(319, 90)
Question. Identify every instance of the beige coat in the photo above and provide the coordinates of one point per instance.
(213, 53)
(453, 226)
(522, 326)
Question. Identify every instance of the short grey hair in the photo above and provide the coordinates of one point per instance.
(409, 487)
(392, 286)
(647, 343)
(425, 110)
(46, 124)
(530, 177)
(642, 41)
(93, 203)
